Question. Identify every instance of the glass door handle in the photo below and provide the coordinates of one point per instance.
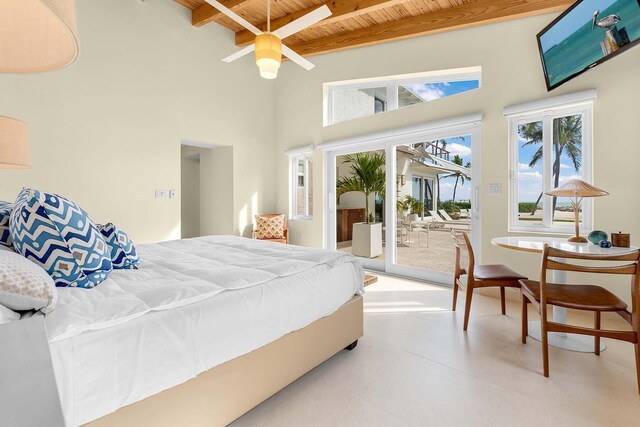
(476, 201)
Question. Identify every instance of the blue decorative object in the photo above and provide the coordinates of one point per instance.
(123, 252)
(596, 236)
(5, 213)
(605, 244)
(58, 235)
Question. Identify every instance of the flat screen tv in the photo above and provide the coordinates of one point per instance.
(585, 35)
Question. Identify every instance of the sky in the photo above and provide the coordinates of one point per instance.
(462, 147)
(431, 91)
(582, 14)
(530, 179)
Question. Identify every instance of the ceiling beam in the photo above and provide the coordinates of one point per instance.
(206, 13)
(340, 10)
(468, 15)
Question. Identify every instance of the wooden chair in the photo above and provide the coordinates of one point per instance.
(583, 297)
(479, 276)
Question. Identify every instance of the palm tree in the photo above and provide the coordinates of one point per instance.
(458, 175)
(567, 138)
(367, 177)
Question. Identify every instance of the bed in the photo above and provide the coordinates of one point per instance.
(205, 330)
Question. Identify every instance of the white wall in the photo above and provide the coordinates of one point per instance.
(106, 131)
(511, 74)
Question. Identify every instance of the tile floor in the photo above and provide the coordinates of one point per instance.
(416, 367)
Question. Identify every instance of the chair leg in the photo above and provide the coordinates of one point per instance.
(545, 348)
(637, 349)
(467, 306)
(502, 302)
(596, 340)
(455, 294)
(525, 320)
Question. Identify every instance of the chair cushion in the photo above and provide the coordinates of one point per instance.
(58, 235)
(579, 297)
(270, 227)
(5, 213)
(123, 252)
(495, 272)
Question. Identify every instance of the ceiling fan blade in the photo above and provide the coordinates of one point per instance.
(239, 54)
(303, 22)
(297, 58)
(231, 14)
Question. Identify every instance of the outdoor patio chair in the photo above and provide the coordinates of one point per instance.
(447, 217)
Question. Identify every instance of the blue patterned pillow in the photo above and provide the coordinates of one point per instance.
(58, 235)
(5, 212)
(123, 252)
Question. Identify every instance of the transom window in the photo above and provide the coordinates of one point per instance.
(301, 186)
(547, 149)
(353, 99)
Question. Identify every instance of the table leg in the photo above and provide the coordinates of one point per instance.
(573, 342)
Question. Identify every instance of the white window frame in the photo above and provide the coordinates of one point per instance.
(391, 83)
(294, 159)
(554, 110)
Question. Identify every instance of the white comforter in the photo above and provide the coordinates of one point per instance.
(182, 272)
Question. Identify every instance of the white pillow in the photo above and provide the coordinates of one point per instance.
(7, 315)
(25, 285)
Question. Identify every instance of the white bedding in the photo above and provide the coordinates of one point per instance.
(194, 304)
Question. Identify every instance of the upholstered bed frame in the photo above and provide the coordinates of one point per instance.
(224, 393)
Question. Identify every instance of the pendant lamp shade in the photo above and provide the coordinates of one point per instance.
(577, 188)
(268, 55)
(37, 35)
(14, 144)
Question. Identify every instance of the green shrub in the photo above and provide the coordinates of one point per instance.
(525, 207)
(463, 205)
(449, 207)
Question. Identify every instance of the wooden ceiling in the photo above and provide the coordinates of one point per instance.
(357, 23)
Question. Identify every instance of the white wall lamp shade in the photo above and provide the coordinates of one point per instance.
(37, 35)
(14, 144)
(268, 55)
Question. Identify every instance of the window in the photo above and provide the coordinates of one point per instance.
(549, 148)
(352, 99)
(302, 186)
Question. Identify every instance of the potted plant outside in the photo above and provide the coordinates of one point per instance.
(367, 177)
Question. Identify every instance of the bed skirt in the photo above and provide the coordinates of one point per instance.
(224, 393)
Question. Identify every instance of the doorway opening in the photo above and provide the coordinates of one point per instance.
(207, 198)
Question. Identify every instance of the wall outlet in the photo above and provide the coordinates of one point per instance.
(172, 194)
(162, 194)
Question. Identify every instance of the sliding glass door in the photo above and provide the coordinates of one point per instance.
(394, 201)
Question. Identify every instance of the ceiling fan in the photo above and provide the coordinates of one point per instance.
(268, 45)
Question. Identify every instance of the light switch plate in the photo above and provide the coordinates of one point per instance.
(162, 194)
(495, 189)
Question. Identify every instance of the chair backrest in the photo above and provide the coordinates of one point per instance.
(435, 216)
(627, 263)
(462, 243)
(445, 215)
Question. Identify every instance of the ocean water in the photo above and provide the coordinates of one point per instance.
(582, 47)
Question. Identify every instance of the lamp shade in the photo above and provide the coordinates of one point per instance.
(37, 35)
(268, 55)
(577, 188)
(14, 144)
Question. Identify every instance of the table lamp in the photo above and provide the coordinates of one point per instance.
(577, 190)
(14, 144)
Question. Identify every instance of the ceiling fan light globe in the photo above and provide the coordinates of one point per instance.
(268, 55)
(268, 68)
